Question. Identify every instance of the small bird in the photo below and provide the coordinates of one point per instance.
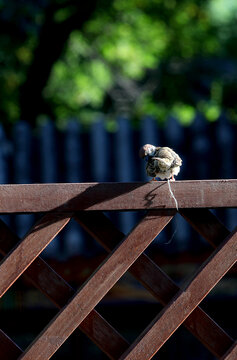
(162, 162)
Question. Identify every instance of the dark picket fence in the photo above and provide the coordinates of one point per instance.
(47, 155)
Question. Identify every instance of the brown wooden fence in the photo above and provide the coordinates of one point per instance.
(86, 203)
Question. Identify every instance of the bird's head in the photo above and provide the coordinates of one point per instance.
(147, 150)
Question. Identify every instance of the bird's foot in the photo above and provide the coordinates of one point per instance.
(172, 178)
(154, 179)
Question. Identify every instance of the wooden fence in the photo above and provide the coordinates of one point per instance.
(86, 203)
(46, 155)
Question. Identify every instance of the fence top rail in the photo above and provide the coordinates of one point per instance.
(67, 197)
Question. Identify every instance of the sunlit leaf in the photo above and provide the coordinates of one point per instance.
(184, 113)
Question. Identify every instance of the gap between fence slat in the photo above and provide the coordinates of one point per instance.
(173, 315)
(231, 354)
(116, 264)
(206, 224)
(157, 282)
(8, 349)
(58, 291)
(16, 262)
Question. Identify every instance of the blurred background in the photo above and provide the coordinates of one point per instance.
(82, 87)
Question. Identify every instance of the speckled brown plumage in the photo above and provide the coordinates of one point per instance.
(162, 162)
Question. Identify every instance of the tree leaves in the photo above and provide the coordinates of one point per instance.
(121, 56)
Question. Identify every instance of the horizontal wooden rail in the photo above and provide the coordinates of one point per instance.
(117, 196)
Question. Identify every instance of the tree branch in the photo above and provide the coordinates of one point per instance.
(52, 39)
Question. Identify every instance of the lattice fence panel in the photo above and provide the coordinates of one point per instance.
(126, 253)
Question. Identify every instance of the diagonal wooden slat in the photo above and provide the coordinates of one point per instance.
(8, 349)
(117, 196)
(58, 291)
(144, 269)
(206, 224)
(231, 354)
(15, 263)
(173, 315)
(157, 282)
(116, 264)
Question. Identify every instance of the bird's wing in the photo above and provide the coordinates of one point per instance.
(177, 160)
(163, 163)
(168, 153)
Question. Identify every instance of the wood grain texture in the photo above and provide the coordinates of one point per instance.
(59, 292)
(58, 330)
(157, 282)
(173, 315)
(117, 196)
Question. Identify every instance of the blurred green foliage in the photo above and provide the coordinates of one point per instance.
(130, 57)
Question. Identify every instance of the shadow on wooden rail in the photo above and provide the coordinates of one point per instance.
(117, 196)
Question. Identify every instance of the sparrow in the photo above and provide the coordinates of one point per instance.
(162, 162)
